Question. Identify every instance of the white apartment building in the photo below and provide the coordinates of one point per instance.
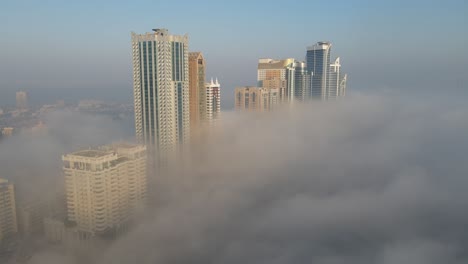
(213, 100)
(105, 186)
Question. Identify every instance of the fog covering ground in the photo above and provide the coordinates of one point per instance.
(365, 180)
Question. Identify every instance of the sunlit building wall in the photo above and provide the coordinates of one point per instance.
(105, 186)
(213, 100)
(273, 75)
(161, 90)
(334, 80)
(197, 91)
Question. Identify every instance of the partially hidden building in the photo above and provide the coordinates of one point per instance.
(252, 98)
(161, 90)
(197, 91)
(213, 100)
(105, 187)
(8, 220)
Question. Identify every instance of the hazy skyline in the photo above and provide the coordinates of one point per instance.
(55, 49)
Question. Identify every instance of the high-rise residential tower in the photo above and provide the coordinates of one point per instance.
(252, 98)
(161, 90)
(334, 80)
(21, 100)
(105, 186)
(273, 75)
(318, 64)
(197, 91)
(213, 100)
(8, 220)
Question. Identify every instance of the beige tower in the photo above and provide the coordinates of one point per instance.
(105, 186)
(197, 92)
(8, 221)
(252, 98)
(272, 75)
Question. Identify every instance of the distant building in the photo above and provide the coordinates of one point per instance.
(318, 63)
(342, 88)
(7, 131)
(301, 82)
(326, 80)
(197, 91)
(105, 186)
(273, 75)
(31, 216)
(161, 90)
(39, 129)
(21, 100)
(213, 100)
(8, 220)
(57, 230)
(252, 98)
(334, 80)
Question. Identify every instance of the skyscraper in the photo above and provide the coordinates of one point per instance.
(334, 80)
(318, 63)
(301, 81)
(161, 90)
(273, 75)
(252, 98)
(197, 91)
(21, 100)
(8, 220)
(342, 89)
(213, 99)
(105, 186)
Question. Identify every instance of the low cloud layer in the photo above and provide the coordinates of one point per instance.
(367, 180)
(362, 181)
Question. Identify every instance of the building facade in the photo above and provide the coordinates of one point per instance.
(252, 98)
(213, 100)
(8, 220)
(342, 89)
(197, 91)
(105, 186)
(334, 80)
(301, 82)
(273, 75)
(161, 90)
(318, 64)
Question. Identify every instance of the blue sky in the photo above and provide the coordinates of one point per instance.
(81, 49)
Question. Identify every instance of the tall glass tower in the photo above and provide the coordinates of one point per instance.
(301, 82)
(318, 63)
(161, 90)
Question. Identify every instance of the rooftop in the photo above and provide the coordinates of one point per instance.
(92, 153)
(321, 45)
(274, 64)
